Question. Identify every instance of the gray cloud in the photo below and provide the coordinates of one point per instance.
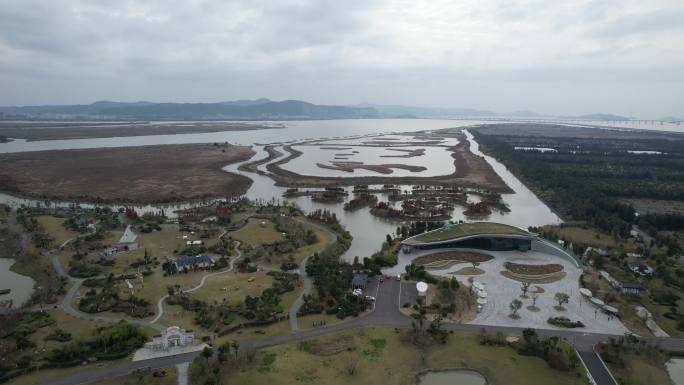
(565, 57)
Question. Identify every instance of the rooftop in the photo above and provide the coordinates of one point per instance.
(128, 236)
(451, 231)
(189, 260)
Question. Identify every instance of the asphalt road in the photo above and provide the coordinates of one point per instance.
(386, 313)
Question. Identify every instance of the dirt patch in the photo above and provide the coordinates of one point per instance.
(147, 174)
(332, 347)
(461, 256)
(253, 165)
(408, 153)
(519, 268)
(469, 271)
(379, 168)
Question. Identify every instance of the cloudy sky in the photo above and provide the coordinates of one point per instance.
(558, 57)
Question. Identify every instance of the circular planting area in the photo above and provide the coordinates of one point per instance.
(447, 259)
(546, 273)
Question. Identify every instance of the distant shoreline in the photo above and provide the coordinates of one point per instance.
(74, 130)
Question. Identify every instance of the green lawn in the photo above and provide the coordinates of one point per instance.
(254, 233)
(380, 356)
(54, 226)
(147, 378)
(465, 229)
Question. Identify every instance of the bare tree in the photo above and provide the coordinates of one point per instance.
(524, 287)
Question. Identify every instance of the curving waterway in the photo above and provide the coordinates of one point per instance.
(368, 231)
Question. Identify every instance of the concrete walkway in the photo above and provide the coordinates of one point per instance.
(183, 373)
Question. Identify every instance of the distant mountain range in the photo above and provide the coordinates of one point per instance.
(259, 109)
(391, 111)
(598, 116)
(262, 109)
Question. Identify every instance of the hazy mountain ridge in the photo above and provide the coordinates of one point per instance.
(263, 109)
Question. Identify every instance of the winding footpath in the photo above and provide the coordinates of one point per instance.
(238, 255)
(305, 277)
(76, 283)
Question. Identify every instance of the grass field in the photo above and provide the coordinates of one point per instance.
(52, 374)
(237, 286)
(254, 234)
(465, 229)
(640, 371)
(379, 356)
(589, 236)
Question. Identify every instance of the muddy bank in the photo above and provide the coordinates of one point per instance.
(147, 174)
(253, 166)
(471, 171)
(59, 131)
(379, 168)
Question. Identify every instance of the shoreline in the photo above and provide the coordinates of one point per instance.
(39, 133)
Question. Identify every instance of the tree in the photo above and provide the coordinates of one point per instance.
(524, 287)
(389, 239)
(236, 347)
(534, 299)
(515, 306)
(207, 353)
(475, 264)
(561, 298)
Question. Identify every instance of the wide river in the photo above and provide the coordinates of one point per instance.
(368, 231)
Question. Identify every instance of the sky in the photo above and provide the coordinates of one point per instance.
(555, 57)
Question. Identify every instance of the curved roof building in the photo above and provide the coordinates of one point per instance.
(476, 235)
(484, 236)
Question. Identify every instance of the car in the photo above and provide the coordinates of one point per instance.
(398, 277)
(370, 298)
(382, 280)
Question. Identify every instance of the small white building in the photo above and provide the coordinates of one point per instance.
(172, 337)
(128, 241)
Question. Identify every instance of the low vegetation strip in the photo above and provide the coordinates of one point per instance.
(519, 268)
(145, 174)
(540, 279)
(456, 256)
(466, 229)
